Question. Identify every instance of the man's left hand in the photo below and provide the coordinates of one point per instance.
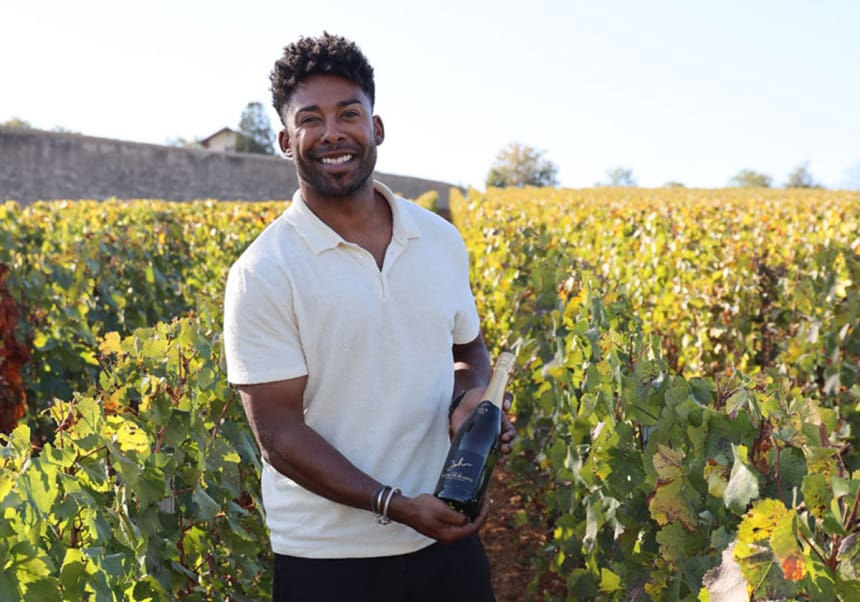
(470, 401)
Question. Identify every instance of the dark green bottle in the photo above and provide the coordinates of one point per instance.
(475, 448)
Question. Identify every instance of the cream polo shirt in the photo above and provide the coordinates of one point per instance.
(376, 348)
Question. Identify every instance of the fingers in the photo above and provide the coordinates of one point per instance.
(453, 518)
(444, 524)
(482, 515)
(449, 533)
(508, 435)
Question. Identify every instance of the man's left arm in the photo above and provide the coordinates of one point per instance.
(471, 375)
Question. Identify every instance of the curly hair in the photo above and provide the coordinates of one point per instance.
(327, 54)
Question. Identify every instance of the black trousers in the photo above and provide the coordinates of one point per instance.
(438, 573)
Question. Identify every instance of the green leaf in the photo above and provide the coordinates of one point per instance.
(717, 477)
(843, 487)
(723, 432)
(43, 589)
(62, 457)
(821, 582)
(847, 590)
(792, 469)
(786, 548)
(609, 581)
(155, 348)
(703, 390)
(9, 586)
(128, 469)
(7, 482)
(672, 499)
(30, 566)
(769, 521)
(678, 393)
(128, 533)
(849, 558)
(87, 429)
(38, 484)
(677, 544)
(764, 573)
(206, 507)
(147, 590)
(219, 454)
(743, 401)
(96, 524)
(743, 486)
(817, 494)
(93, 473)
(151, 487)
(20, 439)
(822, 460)
(73, 573)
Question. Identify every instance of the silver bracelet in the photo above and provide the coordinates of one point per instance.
(382, 518)
(376, 501)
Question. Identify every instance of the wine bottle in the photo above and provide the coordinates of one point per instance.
(472, 457)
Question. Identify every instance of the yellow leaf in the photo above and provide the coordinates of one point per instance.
(132, 438)
(609, 581)
(111, 344)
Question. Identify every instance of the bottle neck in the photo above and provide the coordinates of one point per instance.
(495, 392)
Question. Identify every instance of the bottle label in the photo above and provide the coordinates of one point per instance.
(464, 468)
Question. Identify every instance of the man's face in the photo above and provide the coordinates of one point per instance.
(331, 134)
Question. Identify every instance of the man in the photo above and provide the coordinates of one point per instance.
(348, 325)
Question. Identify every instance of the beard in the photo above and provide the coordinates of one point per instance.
(336, 185)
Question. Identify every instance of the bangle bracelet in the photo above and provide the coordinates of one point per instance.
(376, 500)
(382, 518)
(455, 401)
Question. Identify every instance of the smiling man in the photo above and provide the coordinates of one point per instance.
(349, 327)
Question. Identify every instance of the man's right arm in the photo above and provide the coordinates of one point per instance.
(276, 414)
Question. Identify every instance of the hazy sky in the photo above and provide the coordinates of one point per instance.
(692, 91)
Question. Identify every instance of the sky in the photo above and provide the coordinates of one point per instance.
(691, 91)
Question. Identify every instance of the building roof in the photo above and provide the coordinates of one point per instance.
(224, 130)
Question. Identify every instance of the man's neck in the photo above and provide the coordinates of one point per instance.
(353, 216)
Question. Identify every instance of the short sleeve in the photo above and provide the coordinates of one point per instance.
(261, 338)
(467, 324)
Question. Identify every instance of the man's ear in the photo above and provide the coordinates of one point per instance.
(284, 142)
(378, 129)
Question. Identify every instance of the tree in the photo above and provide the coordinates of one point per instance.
(181, 142)
(255, 131)
(521, 165)
(620, 176)
(748, 178)
(801, 177)
(674, 184)
(17, 122)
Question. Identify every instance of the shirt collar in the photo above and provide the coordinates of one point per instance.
(320, 237)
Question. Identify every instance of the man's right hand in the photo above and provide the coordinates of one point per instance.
(432, 517)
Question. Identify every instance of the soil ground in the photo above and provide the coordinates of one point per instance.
(512, 549)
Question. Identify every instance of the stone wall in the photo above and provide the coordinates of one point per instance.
(37, 165)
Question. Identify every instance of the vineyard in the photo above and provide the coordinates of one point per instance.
(687, 395)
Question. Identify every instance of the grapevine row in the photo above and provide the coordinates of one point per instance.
(687, 398)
